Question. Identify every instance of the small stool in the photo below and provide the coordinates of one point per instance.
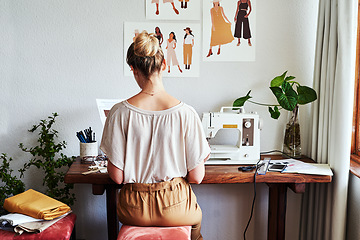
(154, 233)
(61, 230)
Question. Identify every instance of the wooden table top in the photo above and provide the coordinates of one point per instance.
(218, 174)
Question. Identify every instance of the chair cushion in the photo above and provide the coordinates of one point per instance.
(154, 233)
(60, 230)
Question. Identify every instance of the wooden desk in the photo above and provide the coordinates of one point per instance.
(277, 183)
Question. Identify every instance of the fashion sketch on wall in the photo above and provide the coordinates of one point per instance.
(184, 10)
(229, 30)
(180, 43)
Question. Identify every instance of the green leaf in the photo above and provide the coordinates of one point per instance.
(306, 95)
(241, 101)
(286, 96)
(289, 78)
(277, 81)
(274, 113)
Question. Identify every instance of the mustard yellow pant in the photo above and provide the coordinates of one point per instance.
(168, 204)
(187, 54)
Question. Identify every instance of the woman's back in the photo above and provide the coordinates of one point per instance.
(154, 146)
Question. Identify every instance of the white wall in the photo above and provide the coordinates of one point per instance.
(60, 55)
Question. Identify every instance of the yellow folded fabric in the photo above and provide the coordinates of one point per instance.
(36, 205)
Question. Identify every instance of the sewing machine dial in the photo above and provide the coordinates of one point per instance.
(247, 124)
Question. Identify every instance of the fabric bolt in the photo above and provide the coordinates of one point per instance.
(36, 205)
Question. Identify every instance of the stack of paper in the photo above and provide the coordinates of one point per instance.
(296, 166)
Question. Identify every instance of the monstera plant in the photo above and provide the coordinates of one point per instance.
(289, 95)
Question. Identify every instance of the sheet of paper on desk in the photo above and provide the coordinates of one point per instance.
(295, 166)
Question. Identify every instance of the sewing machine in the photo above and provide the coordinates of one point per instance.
(247, 149)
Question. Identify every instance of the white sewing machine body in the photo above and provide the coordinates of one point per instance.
(247, 149)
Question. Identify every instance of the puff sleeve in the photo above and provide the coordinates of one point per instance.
(113, 142)
(196, 146)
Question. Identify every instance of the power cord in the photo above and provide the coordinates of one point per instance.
(256, 170)
(253, 202)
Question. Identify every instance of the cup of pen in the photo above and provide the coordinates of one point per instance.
(88, 145)
(88, 151)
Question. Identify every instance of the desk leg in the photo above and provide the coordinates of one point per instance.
(112, 219)
(277, 211)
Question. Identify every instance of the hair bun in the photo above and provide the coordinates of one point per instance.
(146, 45)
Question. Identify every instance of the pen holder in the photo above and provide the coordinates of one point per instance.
(88, 150)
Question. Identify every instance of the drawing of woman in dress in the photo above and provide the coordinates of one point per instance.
(164, 1)
(220, 30)
(187, 47)
(159, 35)
(171, 54)
(242, 21)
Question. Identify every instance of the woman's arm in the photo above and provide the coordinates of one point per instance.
(249, 3)
(115, 173)
(237, 11)
(197, 174)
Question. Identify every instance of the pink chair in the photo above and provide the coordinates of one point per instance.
(154, 233)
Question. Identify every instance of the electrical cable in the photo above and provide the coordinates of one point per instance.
(277, 151)
(253, 202)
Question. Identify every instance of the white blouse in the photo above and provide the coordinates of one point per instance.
(188, 39)
(154, 146)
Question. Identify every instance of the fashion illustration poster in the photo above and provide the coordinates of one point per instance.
(183, 10)
(229, 30)
(180, 43)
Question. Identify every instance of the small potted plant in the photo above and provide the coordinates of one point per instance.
(289, 95)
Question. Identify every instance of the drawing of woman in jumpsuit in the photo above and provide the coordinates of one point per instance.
(187, 47)
(184, 3)
(164, 1)
(171, 54)
(159, 35)
(220, 29)
(242, 21)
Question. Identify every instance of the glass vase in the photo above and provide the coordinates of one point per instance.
(292, 141)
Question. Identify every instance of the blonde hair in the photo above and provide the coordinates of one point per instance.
(145, 54)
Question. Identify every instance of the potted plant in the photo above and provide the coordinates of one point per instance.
(289, 95)
(12, 185)
(48, 157)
